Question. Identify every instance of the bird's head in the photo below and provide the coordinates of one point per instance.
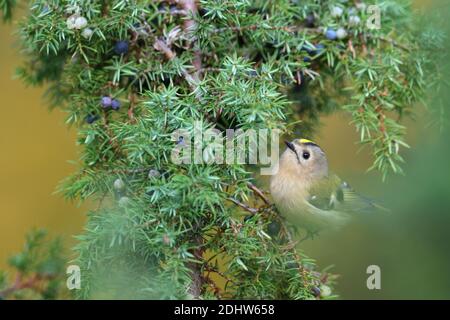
(304, 159)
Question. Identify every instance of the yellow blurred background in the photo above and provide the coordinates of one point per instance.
(36, 145)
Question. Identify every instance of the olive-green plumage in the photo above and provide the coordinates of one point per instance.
(308, 195)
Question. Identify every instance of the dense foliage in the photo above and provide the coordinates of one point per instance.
(130, 73)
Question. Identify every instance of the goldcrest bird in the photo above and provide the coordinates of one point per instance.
(307, 195)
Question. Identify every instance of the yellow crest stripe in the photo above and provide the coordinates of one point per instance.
(305, 141)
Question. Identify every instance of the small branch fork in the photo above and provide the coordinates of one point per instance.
(258, 192)
(244, 206)
(209, 269)
(21, 283)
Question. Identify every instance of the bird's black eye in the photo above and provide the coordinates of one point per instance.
(306, 155)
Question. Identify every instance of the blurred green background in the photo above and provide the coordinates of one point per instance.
(412, 245)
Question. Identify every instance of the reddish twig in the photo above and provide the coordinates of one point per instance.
(258, 192)
(20, 284)
(352, 48)
(132, 99)
(244, 206)
(162, 46)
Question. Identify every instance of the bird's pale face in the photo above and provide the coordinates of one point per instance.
(305, 160)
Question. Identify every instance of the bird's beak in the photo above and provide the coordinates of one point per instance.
(290, 145)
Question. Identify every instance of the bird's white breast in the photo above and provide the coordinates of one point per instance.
(289, 195)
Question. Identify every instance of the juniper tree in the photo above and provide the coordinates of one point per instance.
(130, 73)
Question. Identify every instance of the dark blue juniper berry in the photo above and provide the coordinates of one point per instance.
(310, 20)
(91, 118)
(115, 104)
(331, 34)
(173, 8)
(319, 49)
(121, 47)
(202, 12)
(106, 102)
(313, 51)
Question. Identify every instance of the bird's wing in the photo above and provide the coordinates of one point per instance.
(322, 215)
(335, 194)
(325, 193)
